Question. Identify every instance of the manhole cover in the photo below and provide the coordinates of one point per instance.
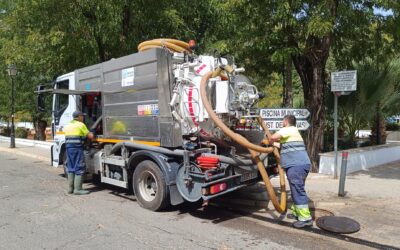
(341, 225)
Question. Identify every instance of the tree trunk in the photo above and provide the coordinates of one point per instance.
(310, 65)
(126, 21)
(378, 123)
(288, 102)
(311, 69)
(378, 129)
(40, 130)
(100, 48)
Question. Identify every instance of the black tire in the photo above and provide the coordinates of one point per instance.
(149, 186)
(96, 179)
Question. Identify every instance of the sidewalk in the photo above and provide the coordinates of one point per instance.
(373, 199)
(35, 152)
(28, 142)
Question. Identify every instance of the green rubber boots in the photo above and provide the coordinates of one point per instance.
(71, 178)
(75, 185)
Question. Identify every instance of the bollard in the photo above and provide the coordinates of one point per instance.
(343, 170)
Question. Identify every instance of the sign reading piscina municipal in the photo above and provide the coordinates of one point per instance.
(280, 113)
(273, 117)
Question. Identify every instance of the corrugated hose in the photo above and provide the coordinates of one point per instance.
(253, 148)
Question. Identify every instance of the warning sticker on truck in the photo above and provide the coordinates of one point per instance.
(149, 109)
(127, 77)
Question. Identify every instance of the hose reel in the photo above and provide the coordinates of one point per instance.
(171, 44)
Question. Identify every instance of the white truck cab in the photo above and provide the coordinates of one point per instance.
(63, 106)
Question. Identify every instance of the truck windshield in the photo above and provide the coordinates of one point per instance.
(60, 100)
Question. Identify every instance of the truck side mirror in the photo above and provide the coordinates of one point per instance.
(40, 102)
(261, 95)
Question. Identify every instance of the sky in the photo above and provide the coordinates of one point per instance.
(383, 12)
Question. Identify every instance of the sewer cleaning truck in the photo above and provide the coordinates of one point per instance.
(172, 125)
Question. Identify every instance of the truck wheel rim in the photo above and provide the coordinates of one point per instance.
(148, 186)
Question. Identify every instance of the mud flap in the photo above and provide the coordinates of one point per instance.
(174, 195)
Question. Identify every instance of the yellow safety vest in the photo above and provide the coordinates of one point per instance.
(289, 134)
(76, 128)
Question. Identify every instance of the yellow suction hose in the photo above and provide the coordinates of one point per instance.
(171, 44)
(253, 148)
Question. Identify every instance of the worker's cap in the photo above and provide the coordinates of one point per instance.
(77, 113)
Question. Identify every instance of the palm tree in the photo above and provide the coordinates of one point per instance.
(377, 95)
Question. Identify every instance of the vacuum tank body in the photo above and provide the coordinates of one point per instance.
(136, 90)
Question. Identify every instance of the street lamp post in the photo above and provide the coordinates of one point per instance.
(12, 71)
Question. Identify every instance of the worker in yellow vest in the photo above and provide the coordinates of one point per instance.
(76, 133)
(297, 164)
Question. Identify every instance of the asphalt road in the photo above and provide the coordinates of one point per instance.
(37, 213)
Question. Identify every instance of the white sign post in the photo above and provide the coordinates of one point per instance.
(342, 83)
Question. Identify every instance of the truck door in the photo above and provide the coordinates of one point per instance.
(60, 102)
(63, 107)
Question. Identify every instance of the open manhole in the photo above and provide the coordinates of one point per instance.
(337, 224)
(319, 212)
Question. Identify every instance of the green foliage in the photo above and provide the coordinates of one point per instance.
(48, 38)
(21, 133)
(273, 93)
(319, 27)
(375, 95)
(273, 88)
(268, 32)
(392, 126)
(5, 131)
